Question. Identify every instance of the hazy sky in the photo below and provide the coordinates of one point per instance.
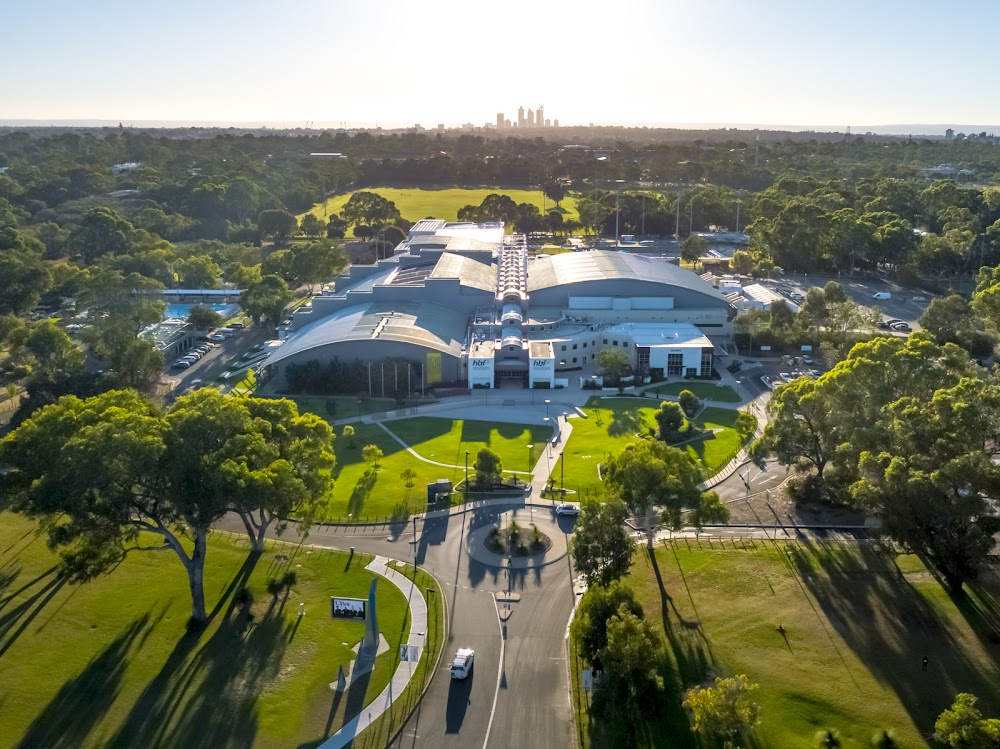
(401, 62)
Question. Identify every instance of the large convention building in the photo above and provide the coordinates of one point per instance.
(472, 307)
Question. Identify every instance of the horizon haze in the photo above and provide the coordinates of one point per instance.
(394, 64)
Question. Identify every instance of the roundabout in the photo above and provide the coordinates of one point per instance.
(540, 538)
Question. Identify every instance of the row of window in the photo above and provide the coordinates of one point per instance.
(562, 362)
(593, 344)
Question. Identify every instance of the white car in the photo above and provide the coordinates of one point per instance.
(567, 509)
(882, 295)
(461, 667)
(806, 359)
(918, 299)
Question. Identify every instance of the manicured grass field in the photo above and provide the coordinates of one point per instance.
(108, 663)
(857, 624)
(612, 423)
(704, 390)
(367, 496)
(415, 203)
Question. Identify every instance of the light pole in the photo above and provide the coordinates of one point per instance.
(529, 457)
(466, 473)
(547, 402)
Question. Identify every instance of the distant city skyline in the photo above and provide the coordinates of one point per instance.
(783, 64)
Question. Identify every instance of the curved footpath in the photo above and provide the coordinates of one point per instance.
(404, 671)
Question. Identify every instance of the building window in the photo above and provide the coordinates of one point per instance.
(585, 344)
(562, 362)
(615, 342)
(574, 360)
(605, 341)
(585, 360)
(562, 348)
(574, 347)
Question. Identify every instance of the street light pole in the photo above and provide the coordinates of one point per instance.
(466, 473)
(547, 402)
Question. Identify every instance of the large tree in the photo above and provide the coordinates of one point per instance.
(317, 262)
(933, 479)
(613, 364)
(655, 481)
(801, 426)
(102, 231)
(963, 725)
(601, 546)
(121, 306)
(366, 208)
(267, 299)
(727, 711)
(277, 224)
(106, 474)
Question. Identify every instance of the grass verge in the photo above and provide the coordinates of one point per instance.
(109, 663)
(833, 633)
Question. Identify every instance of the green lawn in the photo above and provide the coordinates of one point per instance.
(366, 496)
(612, 423)
(856, 623)
(415, 203)
(704, 390)
(108, 663)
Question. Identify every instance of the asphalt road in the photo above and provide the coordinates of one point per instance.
(529, 685)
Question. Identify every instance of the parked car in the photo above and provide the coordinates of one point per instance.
(217, 338)
(786, 376)
(180, 364)
(900, 326)
(567, 509)
(918, 299)
(806, 359)
(461, 667)
(236, 325)
(882, 295)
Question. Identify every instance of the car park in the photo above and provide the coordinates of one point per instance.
(461, 667)
(567, 509)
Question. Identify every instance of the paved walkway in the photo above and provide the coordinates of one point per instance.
(418, 456)
(404, 671)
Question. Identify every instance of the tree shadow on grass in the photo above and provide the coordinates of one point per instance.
(83, 701)
(361, 491)
(17, 619)
(891, 624)
(206, 696)
(626, 420)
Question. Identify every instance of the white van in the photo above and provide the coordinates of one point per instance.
(882, 295)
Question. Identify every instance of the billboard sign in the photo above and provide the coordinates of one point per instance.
(348, 608)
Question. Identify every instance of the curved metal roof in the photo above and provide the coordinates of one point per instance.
(546, 271)
(433, 326)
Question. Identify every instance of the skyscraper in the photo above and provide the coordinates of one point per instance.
(520, 116)
(540, 116)
(531, 119)
(499, 120)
